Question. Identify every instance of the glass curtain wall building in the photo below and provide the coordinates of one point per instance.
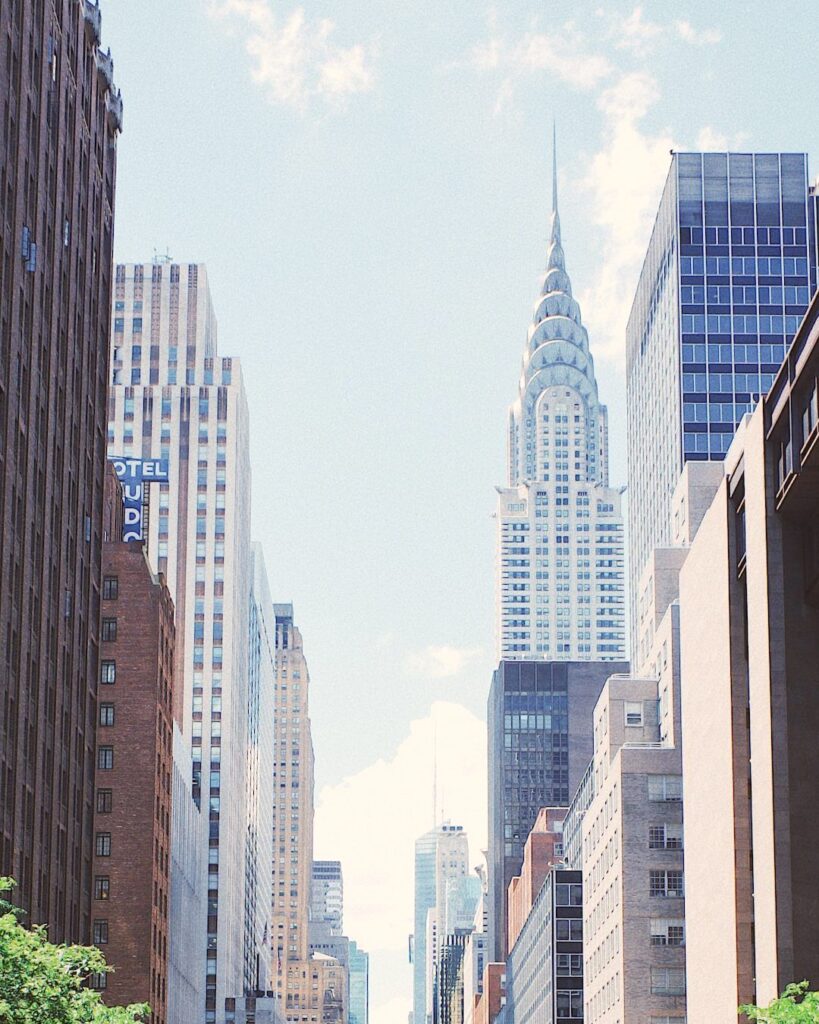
(728, 274)
(540, 744)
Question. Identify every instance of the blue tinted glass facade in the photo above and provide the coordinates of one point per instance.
(727, 277)
(746, 277)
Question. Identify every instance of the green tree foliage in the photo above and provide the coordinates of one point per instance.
(41, 983)
(796, 1006)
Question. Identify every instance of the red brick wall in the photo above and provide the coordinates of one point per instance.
(136, 910)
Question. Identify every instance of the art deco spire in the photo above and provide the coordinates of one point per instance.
(556, 352)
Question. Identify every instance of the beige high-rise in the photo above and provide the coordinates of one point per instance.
(749, 593)
(292, 824)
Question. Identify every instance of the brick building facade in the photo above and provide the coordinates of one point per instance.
(134, 760)
(60, 121)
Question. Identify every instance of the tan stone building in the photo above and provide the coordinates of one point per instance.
(292, 818)
(632, 831)
(750, 662)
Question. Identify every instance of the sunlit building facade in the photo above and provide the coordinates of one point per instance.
(727, 277)
(560, 590)
(173, 398)
(292, 972)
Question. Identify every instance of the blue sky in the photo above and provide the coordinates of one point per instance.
(369, 185)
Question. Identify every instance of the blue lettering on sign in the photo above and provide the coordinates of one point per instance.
(134, 474)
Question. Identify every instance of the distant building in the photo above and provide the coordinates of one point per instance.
(539, 723)
(359, 968)
(728, 274)
(256, 1009)
(541, 852)
(62, 115)
(293, 790)
(492, 1000)
(258, 940)
(544, 973)
(440, 854)
(749, 593)
(560, 586)
(327, 895)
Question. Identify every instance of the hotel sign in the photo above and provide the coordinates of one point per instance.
(134, 474)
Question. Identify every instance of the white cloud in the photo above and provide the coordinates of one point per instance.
(563, 54)
(294, 60)
(637, 34)
(704, 37)
(711, 139)
(370, 821)
(625, 182)
(441, 661)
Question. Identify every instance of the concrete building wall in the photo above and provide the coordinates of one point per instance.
(716, 773)
(750, 651)
(188, 896)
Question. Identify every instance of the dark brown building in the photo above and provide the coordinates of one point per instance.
(59, 119)
(134, 762)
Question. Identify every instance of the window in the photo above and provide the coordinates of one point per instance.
(569, 964)
(100, 933)
(105, 758)
(569, 929)
(569, 895)
(109, 629)
(108, 672)
(634, 712)
(99, 980)
(570, 1003)
(102, 887)
(105, 801)
(667, 932)
(665, 788)
(667, 981)
(110, 588)
(665, 837)
(666, 883)
(103, 844)
(106, 714)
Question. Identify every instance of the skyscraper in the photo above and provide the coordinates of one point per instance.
(58, 168)
(727, 276)
(260, 743)
(174, 399)
(359, 1006)
(440, 855)
(539, 722)
(560, 591)
(292, 824)
(327, 895)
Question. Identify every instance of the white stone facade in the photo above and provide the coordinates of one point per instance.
(560, 590)
(173, 398)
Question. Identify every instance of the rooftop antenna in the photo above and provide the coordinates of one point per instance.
(162, 257)
(434, 774)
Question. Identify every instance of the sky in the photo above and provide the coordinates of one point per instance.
(369, 184)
